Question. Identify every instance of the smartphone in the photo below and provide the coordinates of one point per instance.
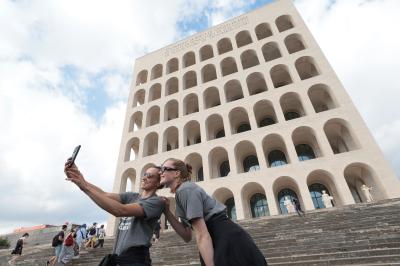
(74, 154)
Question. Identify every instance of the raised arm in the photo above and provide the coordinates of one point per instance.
(109, 202)
(183, 231)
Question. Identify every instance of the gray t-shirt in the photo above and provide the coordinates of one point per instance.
(193, 202)
(134, 231)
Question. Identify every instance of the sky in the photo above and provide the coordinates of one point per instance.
(65, 74)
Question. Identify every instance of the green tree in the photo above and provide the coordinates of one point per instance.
(4, 243)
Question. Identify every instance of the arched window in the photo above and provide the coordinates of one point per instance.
(190, 104)
(284, 23)
(243, 128)
(271, 51)
(189, 59)
(171, 110)
(306, 67)
(172, 65)
(280, 76)
(294, 43)
(276, 158)
(214, 125)
(339, 136)
(250, 164)
(258, 205)
(189, 80)
(281, 198)
(224, 168)
(249, 59)
(263, 30)
(231, 208)
(156, 71)
(172, 86)
(316, 195)
(224, 45)
(208, 73)
(304, 152)
(256, 83)
(228, 66)
(211, 97)
(233, 90)
(320, 97)
(200, 175)
(206, 52)
(267, 121)
(141, 77)
(243, 38)
(155, 92)
(291, 115)
(139, 98)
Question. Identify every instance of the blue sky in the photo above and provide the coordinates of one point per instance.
(95, 99)
(65, 73)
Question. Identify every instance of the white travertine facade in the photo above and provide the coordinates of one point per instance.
(254, 106)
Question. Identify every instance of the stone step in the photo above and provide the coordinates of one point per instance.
(357, 234)
(336, 255)
(374, 260)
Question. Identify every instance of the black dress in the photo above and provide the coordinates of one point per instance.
(233, 246)
(18, 247)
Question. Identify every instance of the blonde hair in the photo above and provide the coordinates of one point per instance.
(184, 168)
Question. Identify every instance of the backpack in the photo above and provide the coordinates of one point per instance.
(92, 231)
(55, 242)
(69, 241)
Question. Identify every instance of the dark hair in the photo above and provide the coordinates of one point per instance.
(64, 226)
(184, 168)
(25, 235)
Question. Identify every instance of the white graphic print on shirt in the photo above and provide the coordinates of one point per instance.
(125, 223)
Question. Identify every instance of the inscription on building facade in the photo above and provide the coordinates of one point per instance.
(207, 35)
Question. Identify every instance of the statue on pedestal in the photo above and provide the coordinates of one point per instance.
(288, 204)
(367, 193)
(327, 199)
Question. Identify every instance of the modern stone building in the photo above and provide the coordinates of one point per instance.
(254, 106)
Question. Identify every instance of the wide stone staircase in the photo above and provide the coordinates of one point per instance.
(361, 234)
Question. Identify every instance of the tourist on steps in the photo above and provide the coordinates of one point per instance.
(57, 243)
(101, 234)
(139, 214)
(220, 241)
(17, 252)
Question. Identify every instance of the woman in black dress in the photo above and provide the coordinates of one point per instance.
(221, 242)
(17, 252)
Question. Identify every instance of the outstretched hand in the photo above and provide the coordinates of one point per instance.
(74, 175)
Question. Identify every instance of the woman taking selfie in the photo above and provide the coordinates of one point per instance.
(220, 241)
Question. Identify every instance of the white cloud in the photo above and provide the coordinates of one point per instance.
(359, 39)
(50, 54)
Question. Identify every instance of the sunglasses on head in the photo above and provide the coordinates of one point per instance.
(164, 168)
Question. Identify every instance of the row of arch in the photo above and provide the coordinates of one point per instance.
(291, 104)
(256, 201)
(279, 74)
(262, 31)
(306, 142)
